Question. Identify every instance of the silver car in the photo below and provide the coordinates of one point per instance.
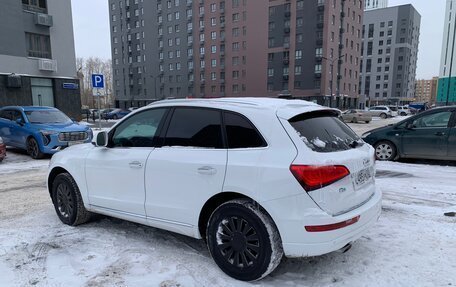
(356, 116)
(380, 111)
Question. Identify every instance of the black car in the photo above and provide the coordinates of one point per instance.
(428, 135)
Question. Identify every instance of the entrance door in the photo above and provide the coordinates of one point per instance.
(42, 92)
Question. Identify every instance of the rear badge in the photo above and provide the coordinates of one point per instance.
(343, 189)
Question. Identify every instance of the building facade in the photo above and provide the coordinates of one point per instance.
(37, 58)
(446, 94)
(215, 48)
(375, 4)
(426, 91)
(389, 55)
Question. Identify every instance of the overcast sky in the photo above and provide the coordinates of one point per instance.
(91, 31)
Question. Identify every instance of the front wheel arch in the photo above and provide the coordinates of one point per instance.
(52, 175)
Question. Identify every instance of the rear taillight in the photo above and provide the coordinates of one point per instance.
(314, 177)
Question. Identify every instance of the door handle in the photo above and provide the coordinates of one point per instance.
(440, 134)
(135, 164)
(207, 170)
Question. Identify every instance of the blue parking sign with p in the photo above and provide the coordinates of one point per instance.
(97, 81)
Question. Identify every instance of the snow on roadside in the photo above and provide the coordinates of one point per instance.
(16, 161)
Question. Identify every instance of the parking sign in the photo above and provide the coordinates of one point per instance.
(97, 81)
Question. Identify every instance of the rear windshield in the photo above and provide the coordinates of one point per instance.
(324, 132)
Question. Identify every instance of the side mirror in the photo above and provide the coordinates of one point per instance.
(102, 139)
(20, 122)
(409, 126)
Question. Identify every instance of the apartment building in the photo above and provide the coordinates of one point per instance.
(426, 91)
(375, 4)
(37, 56)
(217, 48)
(389, 55)
(446, 94)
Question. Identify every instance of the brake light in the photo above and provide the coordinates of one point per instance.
(329, 227)
(314, 177)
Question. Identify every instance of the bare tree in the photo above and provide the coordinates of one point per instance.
(87, 67)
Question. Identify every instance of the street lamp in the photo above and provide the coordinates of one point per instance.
(331, 61)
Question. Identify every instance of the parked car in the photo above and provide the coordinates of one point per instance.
(104, 112)
(2, 150)
(256, 178)
(355, 116)
(40, 130)
(380, 111)
(85, 113)
(116, 114)
(403, 111)
(428, 135)
(416, 108)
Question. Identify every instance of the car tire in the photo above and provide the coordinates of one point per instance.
(67, 201)
(403, 114)
(243, 240)
(354, 120)
(383, 115)
(33, 149)
(115, 117)
(367, 122)
(385, 151)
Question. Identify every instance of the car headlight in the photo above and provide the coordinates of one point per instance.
(47, 133)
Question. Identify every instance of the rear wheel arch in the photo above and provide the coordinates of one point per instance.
(215, 201)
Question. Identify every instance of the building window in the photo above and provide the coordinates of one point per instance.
(270, 72)
(38, 46)
(35, 5)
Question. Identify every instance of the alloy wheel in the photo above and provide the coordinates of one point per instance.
(65, 202)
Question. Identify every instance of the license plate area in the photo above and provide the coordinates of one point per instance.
(72, 143)
(362, 177)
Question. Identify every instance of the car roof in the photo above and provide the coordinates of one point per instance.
(283, 107)
(30, 108)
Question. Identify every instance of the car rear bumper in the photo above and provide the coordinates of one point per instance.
(292, 218)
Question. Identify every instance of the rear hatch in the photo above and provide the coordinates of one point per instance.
(331, 155)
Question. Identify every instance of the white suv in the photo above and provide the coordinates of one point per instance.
(256, 178)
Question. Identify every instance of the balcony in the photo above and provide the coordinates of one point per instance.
(47, 65)
(43, 20)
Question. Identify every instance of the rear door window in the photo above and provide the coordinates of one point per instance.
(241, 133)
(195, 127)
(324, 132)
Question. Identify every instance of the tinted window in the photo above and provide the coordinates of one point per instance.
(139, 130)
(192, 127)
(6, 115)
(323, 132)
(437, 120)
(241, 133)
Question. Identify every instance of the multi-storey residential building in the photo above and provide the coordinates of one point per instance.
(37, 57)
(375, 4)
(217, 48)
(314, 50)
(389, 55)
(426, 91)
(446, 94)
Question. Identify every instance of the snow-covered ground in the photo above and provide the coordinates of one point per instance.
(413, 244)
